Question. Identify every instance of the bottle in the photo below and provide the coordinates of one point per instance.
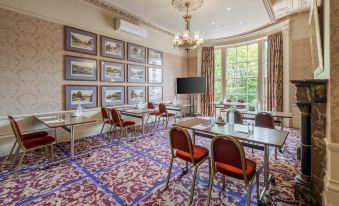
(231, 117)
(175, 100)
(258, 107)
(79, 110)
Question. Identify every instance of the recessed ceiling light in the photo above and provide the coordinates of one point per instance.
(213, 23)
(228, 8)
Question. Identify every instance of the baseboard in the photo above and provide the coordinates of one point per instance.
(331, 193)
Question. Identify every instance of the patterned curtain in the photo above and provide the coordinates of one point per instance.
(207, 70)
(275, 72)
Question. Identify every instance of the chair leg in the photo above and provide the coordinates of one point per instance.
(12, 150)
(223, 182)
(19, 165)
(52, 152)
(276, 153)
(46, 153)
(147, 119)
(257, 183)
(102, 129)
(15, 155)
(193, 183)
(248, 200)
(166, 122)
(210, 182)
(169, 173)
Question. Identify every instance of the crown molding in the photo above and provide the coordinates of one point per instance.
(124, 13)
(269, 10)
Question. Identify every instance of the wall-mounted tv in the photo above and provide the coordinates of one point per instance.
(191, 85)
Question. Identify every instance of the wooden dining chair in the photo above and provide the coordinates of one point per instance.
(182, 148)
(225, 107)
(164, 114)
(238, 118)
(124, 125)
(29, 144)
(150, 105)
(266, 120)
(228, 158)
(106, 118)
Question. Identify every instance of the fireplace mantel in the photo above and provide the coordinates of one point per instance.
(311, 98)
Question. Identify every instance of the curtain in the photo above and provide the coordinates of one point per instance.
(275, 72)
(207, 70)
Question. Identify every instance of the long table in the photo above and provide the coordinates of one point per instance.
(260, 136)
(67, 122)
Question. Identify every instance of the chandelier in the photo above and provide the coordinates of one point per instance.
(187, 40)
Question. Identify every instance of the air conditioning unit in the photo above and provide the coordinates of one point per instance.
(125, 26)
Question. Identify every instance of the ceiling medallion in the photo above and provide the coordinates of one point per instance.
(187, 40)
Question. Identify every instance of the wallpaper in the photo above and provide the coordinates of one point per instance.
(32, 65)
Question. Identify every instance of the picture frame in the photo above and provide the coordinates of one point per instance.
(155, 75)
(136, 73)
(155, 93)
(154, 57)
(135, 94)
(82, 69)
(87, 95)
(81, 41)
(112, 71)
(136, 53)
(112, 95)
(112, 48)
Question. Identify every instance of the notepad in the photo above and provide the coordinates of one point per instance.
(201, 126)
(241, 128)
(54, 121)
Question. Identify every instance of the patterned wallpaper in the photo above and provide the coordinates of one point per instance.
(32, 65)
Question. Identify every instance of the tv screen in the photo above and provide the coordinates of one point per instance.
(191, 85)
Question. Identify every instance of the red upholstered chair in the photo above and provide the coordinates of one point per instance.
(238, 118)
(106, 119)
(226, 107)
(266, 120)
(29, 142)
(164, 114)
(241, 106)
(228, 158)
(122, 124)
(150, 105)
(182, 147)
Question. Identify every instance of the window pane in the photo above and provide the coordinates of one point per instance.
(252, 69)
(252, 85)
(230, 71)
(242, 54)
(241, 69)
(217, 90)
(253, 52)
(231, 55)
(252, 100)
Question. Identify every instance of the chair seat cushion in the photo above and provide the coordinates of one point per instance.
(40, 141)
(125, 124)
(34, 135)
(199, 154)
(236, 172)
(109, 121)
(167, 115)
(154, 113)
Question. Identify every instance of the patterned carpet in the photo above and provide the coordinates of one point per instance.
(134, 173)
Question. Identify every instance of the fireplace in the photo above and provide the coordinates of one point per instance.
(311, 98)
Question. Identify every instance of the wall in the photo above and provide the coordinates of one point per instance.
(32, 58)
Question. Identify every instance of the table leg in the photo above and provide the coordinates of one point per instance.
(267, 176)
(193, 136)
(72, 141)
(282, 124)
(142, 123)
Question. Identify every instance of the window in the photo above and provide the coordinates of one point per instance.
(242, 73)
(217, 76)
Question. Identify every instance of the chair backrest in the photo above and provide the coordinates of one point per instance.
(104, 113)
(241, 106)
(264, 119)
(238, 119)
(162, 108)
(230, 151)
(180, 139)
(150, 105)
(116, 117)
(228, 106)
(16, 128)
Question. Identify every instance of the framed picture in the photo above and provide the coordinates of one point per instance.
(80, 41)
(113, 72)
(155, 94)
(136, 94)
(78, 68)
(154, 75)
(112, 95)
(136, 74)
(154, 56)
(136, 53)
(86, 95)
(112, 48)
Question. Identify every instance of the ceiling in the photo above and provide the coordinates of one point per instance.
(215, 18)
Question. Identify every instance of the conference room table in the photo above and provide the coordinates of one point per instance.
(67, 122)
(179, 107)
(260, 138)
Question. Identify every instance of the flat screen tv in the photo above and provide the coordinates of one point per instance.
(191, 85)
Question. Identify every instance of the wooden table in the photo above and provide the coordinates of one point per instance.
(138, 113)
(175, 107)
(67, 122)
(260, 136)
